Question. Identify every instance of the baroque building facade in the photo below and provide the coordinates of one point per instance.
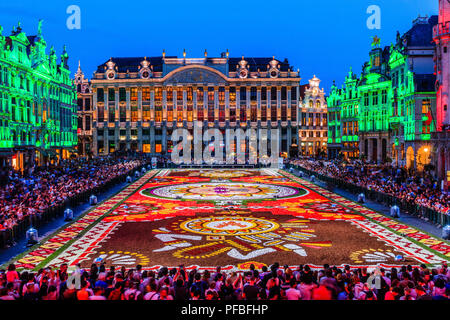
(393, 102)
(37, 108)
(313, 120)
(84, 113)
(441, 137)
(139, 102)
(343, 112)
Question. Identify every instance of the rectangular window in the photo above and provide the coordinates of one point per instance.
(134, 94)
(146, 94)
(122, 95)
(232, 94)
(100, 95)
(283, 93)
(100, 113)
(158, 94)
(123, 113)
(294, 94)
(253, 94)
(87, 104)
(146, 112)
(273, 94)
(88, 123)
(375, 98)
(169, 95)
(111, 94)
(134, 113)
(243, 114)
(264, 113)
(112, 114)
(233, 114)
(263, 94)
(180, 95)
(243, 94)
(189, 94)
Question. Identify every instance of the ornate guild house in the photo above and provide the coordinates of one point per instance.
(138, 102)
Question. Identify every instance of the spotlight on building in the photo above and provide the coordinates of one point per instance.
(143, 171)
(129, 179)
(32, 237)
(313, 178)
(93, 200)
(136, 174)
(68, 215)
(399, 258)
(446, 232)
(361, 198)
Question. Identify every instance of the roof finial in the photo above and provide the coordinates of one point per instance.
(184, 53)
(39, 32)
(206, 53)
(164, 53)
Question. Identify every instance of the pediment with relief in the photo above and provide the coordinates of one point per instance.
(195, 75)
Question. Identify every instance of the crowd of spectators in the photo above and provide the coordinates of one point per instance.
(38, 189)
(417, 189)
(274, 283)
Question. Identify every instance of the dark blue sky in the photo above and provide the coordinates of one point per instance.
(321, 37)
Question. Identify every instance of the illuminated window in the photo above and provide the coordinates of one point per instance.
(158, 94)
(221, 94)
(146, 112)
(134, 94)
(200, 95)
(134, 113)
(145, 94)
(232, 94)
(180, 94)
(189, 94)
(169, 94)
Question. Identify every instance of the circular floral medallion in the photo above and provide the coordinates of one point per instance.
(221, 191)
(229, 226)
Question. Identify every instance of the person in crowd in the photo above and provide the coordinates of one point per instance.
(413, 189)
(34, 192)
(281, 283)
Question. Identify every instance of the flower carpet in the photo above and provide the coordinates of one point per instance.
(233, 218)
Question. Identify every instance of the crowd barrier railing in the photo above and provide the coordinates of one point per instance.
(41, 218)
(409, 207)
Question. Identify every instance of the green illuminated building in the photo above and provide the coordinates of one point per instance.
(343, 116)
(37, 102)
(389, 111)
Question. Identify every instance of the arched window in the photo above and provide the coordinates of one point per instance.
(318, 104)
(311, 104)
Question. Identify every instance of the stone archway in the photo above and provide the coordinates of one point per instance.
(423, 157)
(410, 158)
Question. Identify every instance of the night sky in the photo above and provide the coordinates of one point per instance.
(318, 37)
